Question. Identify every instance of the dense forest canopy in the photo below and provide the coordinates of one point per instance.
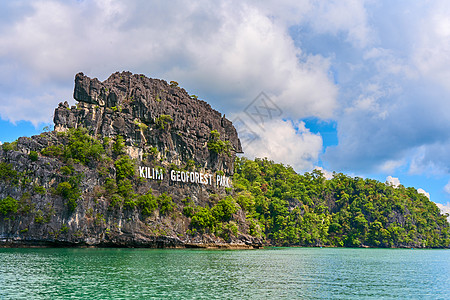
(292, 209)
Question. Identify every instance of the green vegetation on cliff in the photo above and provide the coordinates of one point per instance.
(216, 145)
(8, 205)
(97, 181)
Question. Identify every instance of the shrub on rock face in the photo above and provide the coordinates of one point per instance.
(9, 146)
(52, 150)
(203, 219)
(116, 200)
(188, 211)
(8, 205)
(163, 120)
(64, 189)
(166, 204)
(33, 156)
(124, 167)
(66, 170)
(125, 189)
(39, 189)
(148, 203)
(7, 172)
(70, 192)
(119, 145)
(129, 203)
(224, 209)
(216, 145)
(82, 147)
(143, 127)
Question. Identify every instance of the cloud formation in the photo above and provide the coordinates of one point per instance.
(396, 110)
(445, 209)
(285, 141)
(423, 192)
(395, 182)
(327, 174)
(377, 69)
(227, 52)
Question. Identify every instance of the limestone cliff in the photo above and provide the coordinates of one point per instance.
(134, 106)
(82, 183)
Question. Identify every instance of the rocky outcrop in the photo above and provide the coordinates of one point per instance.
(66, 196)
(135, 106)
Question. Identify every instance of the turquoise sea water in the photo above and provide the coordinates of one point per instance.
(278, 273)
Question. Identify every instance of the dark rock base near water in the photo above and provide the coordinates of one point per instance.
(160, 242)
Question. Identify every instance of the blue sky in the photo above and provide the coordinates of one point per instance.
(359, 87)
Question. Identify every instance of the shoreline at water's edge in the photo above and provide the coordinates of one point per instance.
(156, 245)
(152, 245)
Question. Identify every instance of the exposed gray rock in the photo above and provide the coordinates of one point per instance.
(129, 105)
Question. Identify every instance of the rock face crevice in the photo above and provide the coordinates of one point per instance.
(162, 126)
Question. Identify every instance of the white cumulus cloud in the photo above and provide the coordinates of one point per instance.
(346, 16)
(423, 192)
(394, 181)
(445, 209)
(378, 69)
(287, 142)
(400, 77)
(327, 174)
(225, 52)
(431, 54)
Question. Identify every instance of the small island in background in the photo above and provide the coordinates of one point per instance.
(82, 185)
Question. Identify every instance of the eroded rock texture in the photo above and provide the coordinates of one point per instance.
(141, 109)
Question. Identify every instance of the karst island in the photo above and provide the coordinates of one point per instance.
(138, 162)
